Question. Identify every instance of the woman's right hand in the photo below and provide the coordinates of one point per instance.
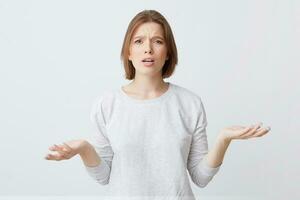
(66, 150)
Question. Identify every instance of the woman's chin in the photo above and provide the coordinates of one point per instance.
(148, 71)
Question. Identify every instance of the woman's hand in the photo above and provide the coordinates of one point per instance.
(66, 150)
(242, 132)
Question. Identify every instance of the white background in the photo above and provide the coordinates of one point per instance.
(241, 57)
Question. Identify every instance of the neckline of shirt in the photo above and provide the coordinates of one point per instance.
(144, 101)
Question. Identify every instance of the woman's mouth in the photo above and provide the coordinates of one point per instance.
(148, 62)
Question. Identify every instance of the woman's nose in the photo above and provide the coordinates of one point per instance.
(148, 51)
(148, 48)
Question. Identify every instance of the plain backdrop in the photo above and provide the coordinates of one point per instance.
(241, 57)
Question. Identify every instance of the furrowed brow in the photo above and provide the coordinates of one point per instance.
(140, 37)
(159, 37)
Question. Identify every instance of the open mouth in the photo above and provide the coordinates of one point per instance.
(148, 60)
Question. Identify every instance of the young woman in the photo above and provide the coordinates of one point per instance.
(150, 133)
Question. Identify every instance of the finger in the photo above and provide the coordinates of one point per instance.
(68, 148)
(63, 148)
(56, 157)
(52, 148)
(61, 151)
(59, 148)
(49, 157)
(251, 131)
(262, 132)
(242, 132)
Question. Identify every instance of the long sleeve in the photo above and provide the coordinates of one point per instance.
(201, 174)
(100, 142)
(151, 148)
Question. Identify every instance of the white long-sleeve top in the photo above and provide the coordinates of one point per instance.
(148, 147)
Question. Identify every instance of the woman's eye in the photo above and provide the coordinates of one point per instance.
(140, 41)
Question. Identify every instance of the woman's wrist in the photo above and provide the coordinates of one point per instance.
(83, 147)
(221, 137)
(88, 155)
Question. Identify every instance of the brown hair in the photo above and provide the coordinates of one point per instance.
(140, 18)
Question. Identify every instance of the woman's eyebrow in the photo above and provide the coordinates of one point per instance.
(151, 38)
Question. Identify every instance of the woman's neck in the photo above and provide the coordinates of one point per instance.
(144, 89)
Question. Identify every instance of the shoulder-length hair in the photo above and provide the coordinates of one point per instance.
(140, 18)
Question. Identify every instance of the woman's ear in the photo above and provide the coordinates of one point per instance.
(129, 55)
(167, 57)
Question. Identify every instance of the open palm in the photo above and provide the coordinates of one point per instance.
(244, 132)
(65, 151)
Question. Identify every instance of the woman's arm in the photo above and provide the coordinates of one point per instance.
(215, 156)
(89, 155)
(71, 148)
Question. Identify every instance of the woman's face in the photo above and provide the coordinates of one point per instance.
(148, 51)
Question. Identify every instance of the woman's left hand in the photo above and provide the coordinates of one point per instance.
(244, 132)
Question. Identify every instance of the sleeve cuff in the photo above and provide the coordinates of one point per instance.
(96, 169)
(210, 171)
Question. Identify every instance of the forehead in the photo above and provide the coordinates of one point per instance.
(149, 28)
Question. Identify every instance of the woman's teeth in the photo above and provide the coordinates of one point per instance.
(148, 60)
